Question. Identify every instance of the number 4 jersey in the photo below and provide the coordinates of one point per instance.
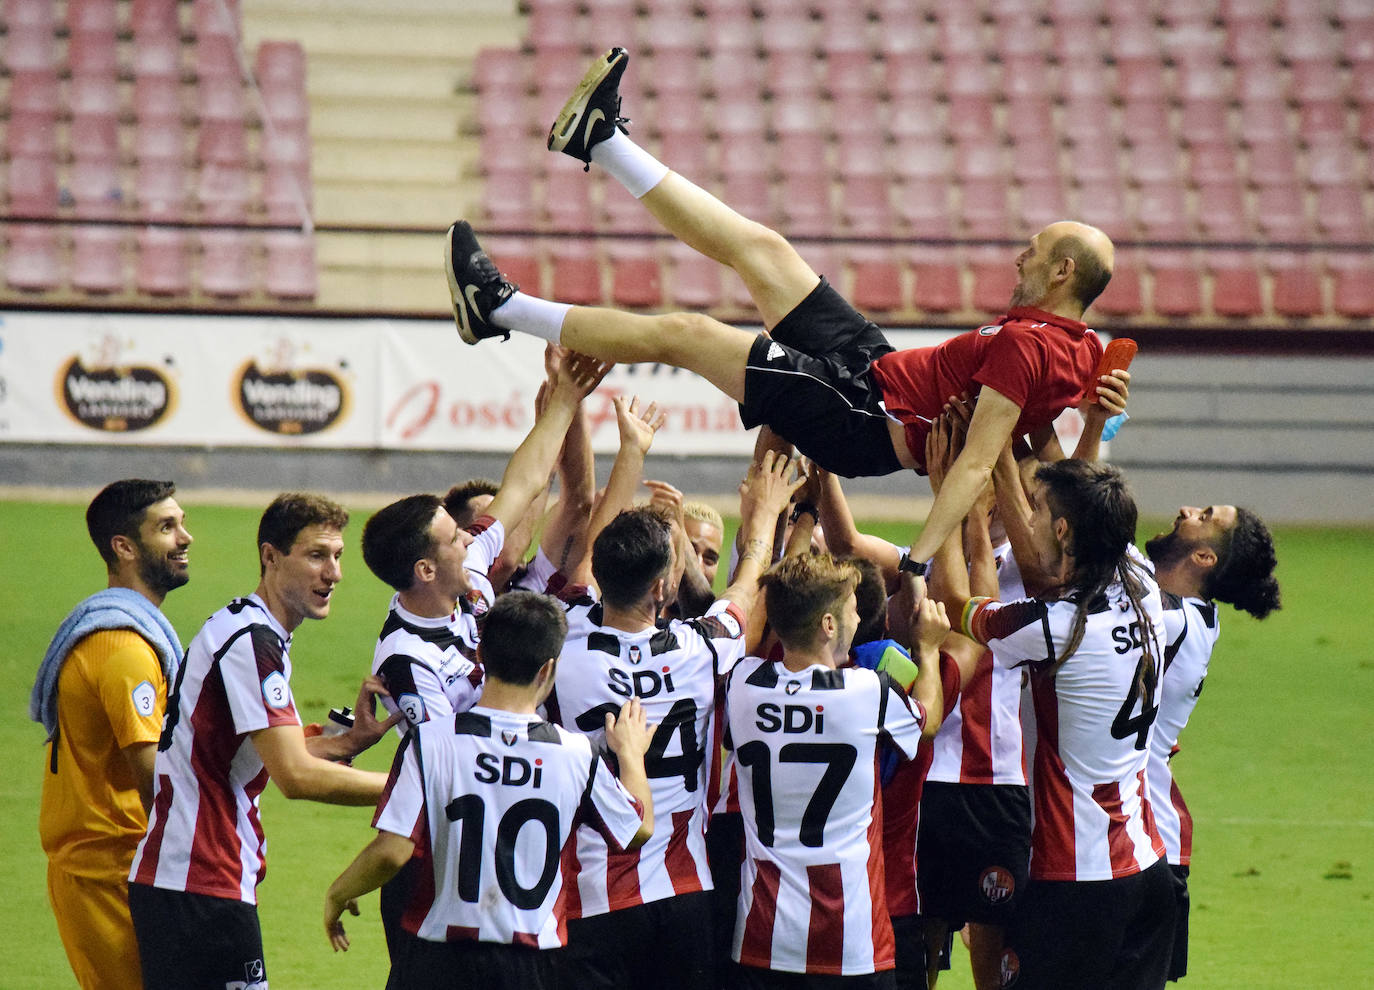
(1093, 721)
(805, 749)
(492, 797)
(673, 672)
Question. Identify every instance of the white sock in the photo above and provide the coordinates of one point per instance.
(630, 165)
(524, 313)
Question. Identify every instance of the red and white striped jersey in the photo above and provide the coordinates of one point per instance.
(488, 537)
(204, 834)
(980, 740)
(429, 665)
(1092, 818)
(672, 670)
(491, 799)
(1191, 627)
(812, 894)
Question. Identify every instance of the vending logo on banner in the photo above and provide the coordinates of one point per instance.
(290, 403)
(114, 399)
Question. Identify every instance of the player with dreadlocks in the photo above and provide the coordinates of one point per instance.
(1098, 910)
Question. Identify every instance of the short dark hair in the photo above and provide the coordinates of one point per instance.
(1090, 274)
(1244, 573)
(870, 598)
(118, 511)
(458, 497)
(630, 554)
(798, 591)
(291, 512)
(399, 535)
(522, 632)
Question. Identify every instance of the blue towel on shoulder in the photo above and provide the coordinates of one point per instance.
(113, 608)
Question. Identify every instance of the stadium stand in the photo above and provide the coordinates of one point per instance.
(1224, 145)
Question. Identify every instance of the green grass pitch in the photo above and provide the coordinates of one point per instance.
(1277, 766)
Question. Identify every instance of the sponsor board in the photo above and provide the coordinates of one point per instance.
(364, 384)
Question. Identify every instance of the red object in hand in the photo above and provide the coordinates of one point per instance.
(1116, 357)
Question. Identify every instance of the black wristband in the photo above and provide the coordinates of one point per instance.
(917, 567)
(803, 507)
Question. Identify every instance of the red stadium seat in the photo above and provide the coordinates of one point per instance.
(911, 74)
(1221, 213)
(285, 146)
(1331, 163)
(35, 91)
(1202, 120)
(1040, 204)
(160, 189)
(749, 155)
(1140, 77)
(157, 56)
(93, 95)
(162, 268)
(30, 48)
(739, 115)
(804, 201)
(675, 69)
(971, 74)
(751, 196)
(622, 213)
(685, 153)
(979, 158)
(1352, 284)
(501, 70)
(1320, 122)
(994, 277)
(159, 139)
(805, 151)
(94, 187)
(1093, 161)
(31, 134)
(220, 98)
(1273, 163)
(94, 136)
(1297, 285)
(635, 278)
(216, 17)
(223, 193)
(1145, 124)
(1341, 214)
(1103, 204)
(970, 115)
(937, 287)
(567, 200)
(158, 97)
(289, 266)
(1265, 121)
(877, 280)
(845, 28)
(576, 274)
(1030, 119)
(1154, 163)
(743, 76)
(92, 15)
(850, 71)
(696, 279)
(89, 53)
(226, 263)
(922, 207)
(280, 62)
(1122, 296)
(1035, 162)
(32, 261)
(1235, 285)
(1260, 80)
(915, 157)
(508, 199)
(1214, 162)
(1281, 213)
(287, 194)
(31, 186)
(217, 57)
(865, 206)
(223, 142)
(1250, 39)
(1177, 289)
(286, 104)
(1162, 211)
(731, 33)
(984, 208)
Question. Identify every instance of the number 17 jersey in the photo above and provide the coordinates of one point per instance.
(672, 670)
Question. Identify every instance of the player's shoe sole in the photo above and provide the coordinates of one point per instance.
(474, 284)
(592, 113)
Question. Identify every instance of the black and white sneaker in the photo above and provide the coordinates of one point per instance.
(592, 113)
(474, 283)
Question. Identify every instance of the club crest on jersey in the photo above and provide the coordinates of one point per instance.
(636, 654)
(792, 687)
(508, 737)
(275, 691)
(144, 698)
(731, 624)
(1010, 968)
(997, 885)
(478, 601)
(989, 331)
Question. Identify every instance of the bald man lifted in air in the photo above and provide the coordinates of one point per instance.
(821, 375)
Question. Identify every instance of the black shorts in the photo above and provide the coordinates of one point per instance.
(809, 381)
(1093, 935)
(196, 942)
(972, 851)
(394, 898)
(663, 944)
(750, 978)
(725, 851)
(425, 965)
(1178, 964)
(912, 953)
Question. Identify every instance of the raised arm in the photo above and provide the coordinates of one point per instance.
(637, 431)
(299, 774)
(1112, 393)
(843, 537)
(694, 592)
(994, 418)
(764, 494)
(929, 626)
(565, 533)
(527, 473)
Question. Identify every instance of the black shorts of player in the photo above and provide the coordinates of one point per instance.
(809, 381)
(1178, 964)
(750, 978)
(1091, 935)
(725, 852)
(424, 965)
(663, 944)
(972, 851)
(912, 954)
(195, 942)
